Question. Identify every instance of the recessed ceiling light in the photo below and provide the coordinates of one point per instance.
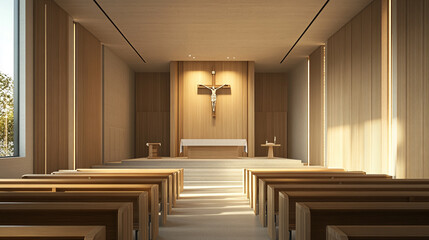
(193, 57)
(227, 57)
(189, 55)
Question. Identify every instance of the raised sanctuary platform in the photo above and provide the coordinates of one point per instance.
(207, 170)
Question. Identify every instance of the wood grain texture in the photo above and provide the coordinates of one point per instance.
(49, 232)
(366, 232)
(412, 54)
(318, 215)
(89, 99)
(117, 217)
(401, 159)
(356, 89)
(119, 108)
(51, 87)
(317, 107)
(139, 202)
(195, 119)
(271, 112)
(39, 86)
(152, 112)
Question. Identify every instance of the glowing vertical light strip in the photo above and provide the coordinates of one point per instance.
(74, 96)
(324, 103)
(389, 75)
(46, 92)
(308, 111)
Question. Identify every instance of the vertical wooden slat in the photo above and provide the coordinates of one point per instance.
(271, 112)
(89, 99)
(355, 94)
(174, 108)
(50, 87)
(401, 163)
(39, 86)
(426, 91)
(152, 112)
(415, 88)
(376, 89)
(365, 108)
(251, 108)
(316, 107)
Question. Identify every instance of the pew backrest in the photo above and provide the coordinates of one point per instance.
(53, 232)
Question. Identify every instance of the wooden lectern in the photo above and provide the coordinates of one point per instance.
(270, 148)
(153, 150)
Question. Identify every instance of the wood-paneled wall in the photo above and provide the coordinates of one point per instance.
(193, 118)
(50, 87)
(88, 99)
(119, 108)
(413, 88)
(271, 112)
(356, 89)
(152, 112)
(317, 108)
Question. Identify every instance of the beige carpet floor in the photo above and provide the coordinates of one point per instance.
(209, 212)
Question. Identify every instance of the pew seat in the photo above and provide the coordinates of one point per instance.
(312, 218)
(377, 232)
(52, 232)
(116, 217)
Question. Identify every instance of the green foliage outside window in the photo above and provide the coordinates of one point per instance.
(7, 147)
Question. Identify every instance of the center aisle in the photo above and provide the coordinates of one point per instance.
(213, 211)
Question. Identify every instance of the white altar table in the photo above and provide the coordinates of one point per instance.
(213, 148)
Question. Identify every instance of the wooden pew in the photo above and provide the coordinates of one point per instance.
(254, 192)
(377, 232)
(262, 198)
(171, 191)
(105, 179)
(254, 187)
(57, 187)
(52, 232)
(176, 175)
(138, 199)
(364, 179)
(248, 173)
(273, 193)
(288, 200)
(116, 217)
(313, 217)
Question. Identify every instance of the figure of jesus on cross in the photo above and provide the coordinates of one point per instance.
(213, 89)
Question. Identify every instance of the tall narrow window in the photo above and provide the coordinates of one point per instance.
(9, 52)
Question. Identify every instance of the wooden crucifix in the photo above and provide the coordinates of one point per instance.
(213, 88)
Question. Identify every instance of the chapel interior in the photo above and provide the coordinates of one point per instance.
(202, 120)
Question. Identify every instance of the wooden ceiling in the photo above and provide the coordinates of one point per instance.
(255, 30)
